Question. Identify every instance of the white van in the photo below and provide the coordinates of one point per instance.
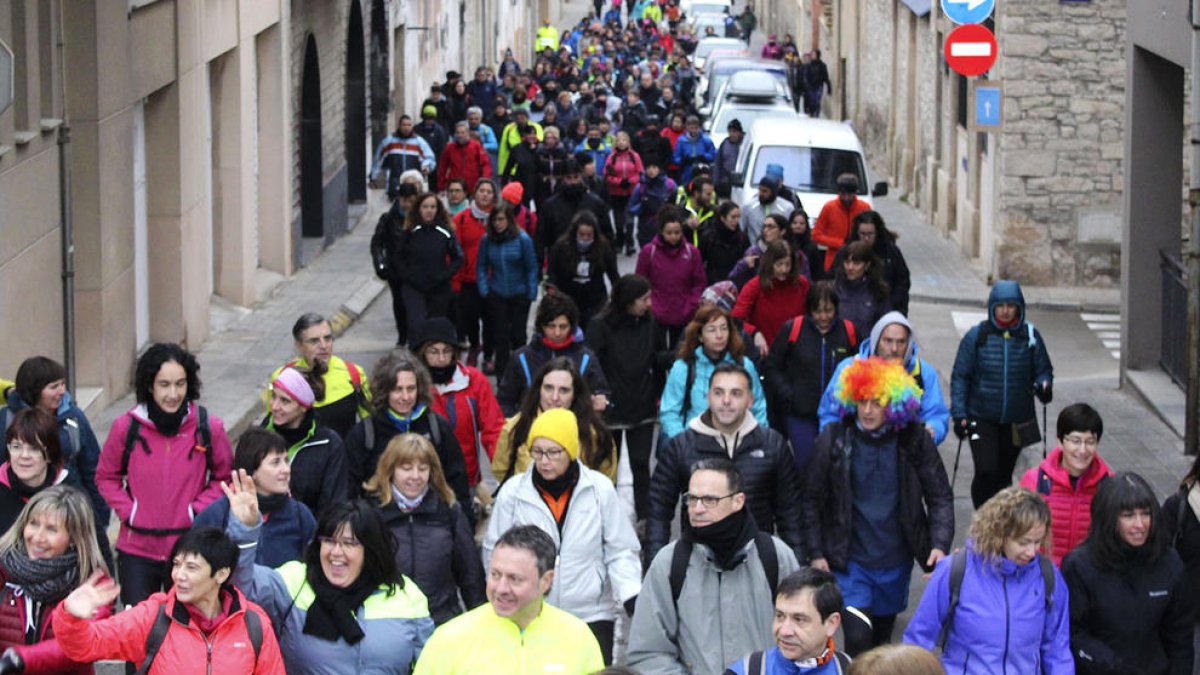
(812, 152)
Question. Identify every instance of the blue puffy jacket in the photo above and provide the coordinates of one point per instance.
(689, 152)
(508, 268)
(1001, 616)
(996, 369)
(670, 409)
(934, 413)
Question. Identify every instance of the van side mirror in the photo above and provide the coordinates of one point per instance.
(737, 177)
(707, 125)
(880, 189)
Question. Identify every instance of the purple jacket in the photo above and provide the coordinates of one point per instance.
(1001, 615)
(676, 280)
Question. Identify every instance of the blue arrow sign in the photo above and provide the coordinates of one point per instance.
(968, 11)
(987, 106)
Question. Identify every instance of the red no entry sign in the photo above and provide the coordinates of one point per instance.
(970, 49)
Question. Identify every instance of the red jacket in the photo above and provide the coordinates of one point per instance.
(467, 161)
(167, 480)
(45, 655)
(470, 231)
(468, 403)
(833, 225)
(184, 650)
(767, 311)
(622, 171)
(1070, 507)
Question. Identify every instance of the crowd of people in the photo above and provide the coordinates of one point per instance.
(455, 506)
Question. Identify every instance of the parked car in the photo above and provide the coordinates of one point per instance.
(721, 69)
(751, 87)
(706, 46)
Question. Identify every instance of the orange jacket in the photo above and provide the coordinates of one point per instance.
(184, 649)
(833, 225)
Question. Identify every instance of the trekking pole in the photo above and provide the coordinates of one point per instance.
(1044, 431)
(957, 456)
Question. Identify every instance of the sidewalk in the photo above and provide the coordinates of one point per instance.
(236, 361)
(942, 274)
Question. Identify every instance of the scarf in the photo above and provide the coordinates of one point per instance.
(205, 624)
(293, 436)
(166, 423)
(825, 657)
(726, 537)
(558, 346)
(1005, 325)
(268, 504)
(441, 374)
(332, 614)
(24, 491)
(404, 424)
(46, 580)
(555, 488)
(480, 214)
(405, 503)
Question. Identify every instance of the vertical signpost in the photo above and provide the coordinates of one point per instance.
(971, 50)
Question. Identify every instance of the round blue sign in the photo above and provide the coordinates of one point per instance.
(968, 11)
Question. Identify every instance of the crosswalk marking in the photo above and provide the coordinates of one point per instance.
(964, 321)
(1107, 328)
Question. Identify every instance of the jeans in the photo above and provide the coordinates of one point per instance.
(508, 317)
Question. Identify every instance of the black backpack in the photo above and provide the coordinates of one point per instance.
(162, 624)
(203, 438)
(682, 553)
(958, 569)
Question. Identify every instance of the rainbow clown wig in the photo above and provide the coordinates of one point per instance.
(879, 379)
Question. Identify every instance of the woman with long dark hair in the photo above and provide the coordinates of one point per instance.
(862, 294)
(868, 226)
(1131, 608)
(426, 258)
(632, 352)
(723, 243)
(580, 261)
(773, 297)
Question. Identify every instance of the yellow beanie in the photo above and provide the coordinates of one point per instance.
(558, 425)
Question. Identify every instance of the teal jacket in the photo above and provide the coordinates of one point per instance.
(670, 409)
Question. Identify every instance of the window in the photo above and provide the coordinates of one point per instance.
(810, 169)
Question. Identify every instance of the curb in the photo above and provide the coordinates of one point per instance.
(1048, 305)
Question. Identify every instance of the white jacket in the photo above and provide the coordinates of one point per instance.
(598, 550)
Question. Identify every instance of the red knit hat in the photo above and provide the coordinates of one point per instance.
(512, 193)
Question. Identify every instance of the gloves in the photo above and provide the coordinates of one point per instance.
(1044, 391)
(624, 182)
(11, 662)
(960, 428)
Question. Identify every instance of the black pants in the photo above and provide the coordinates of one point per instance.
(141, 577)
(508, 317)
(860, 637)
(640, 441)
(995, 455)
(603, 630)
(671, 334)
(398, 313)
(470, 316)
(622, 223)
(420, 305)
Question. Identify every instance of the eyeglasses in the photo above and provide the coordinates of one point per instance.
(545, 454)
(345, 544)
(439, 351)
(709, 501)
(17, 448)
(1080, 440)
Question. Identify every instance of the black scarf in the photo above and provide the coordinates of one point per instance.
(442, 374)
(24, 491)
(165, 422)
(331, 615)
(726, 537)
(294, 436)
(268, 504)
(555, 488)
(46, 580)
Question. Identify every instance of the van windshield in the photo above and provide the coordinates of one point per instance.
(809, 169)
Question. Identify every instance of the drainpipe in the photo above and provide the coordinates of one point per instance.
(64, 203)
(1191, 435)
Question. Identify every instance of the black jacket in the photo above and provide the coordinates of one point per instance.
(589, 295)
(554, 216)
(319, 471)
(551, 167)
(797, 373)
(526, 361)
(1134, 619)
(523, 167)
(425, 257)
(1185, 534)
(894, 271)
(436, 548)
(652, 147)
(435, 135)
(721, 248)
(827, 499)
(635, 358)
(361, 460)
(768, 470)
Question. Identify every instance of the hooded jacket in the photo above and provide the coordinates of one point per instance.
(318, 463)
(435, 547)
(80, 461)
(468, 161)
(926, 506)
(996, 369)
(1001, 624)
(691, 151)
(395, 626)
(798, 372)
(597, 547)
(470, 227)
(1070, 506)
(721, 615)
(508, 267)
(526, 361)
(168, 481)
(768, 469)
(934, 413)
(630, 355)
(677, 279)
(670, 410)
(227, 649)
(467, 402)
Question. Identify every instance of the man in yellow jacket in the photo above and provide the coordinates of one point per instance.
(547, 36)
(516, 632)
(346, 388)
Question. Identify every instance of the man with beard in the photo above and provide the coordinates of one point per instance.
(571, 197)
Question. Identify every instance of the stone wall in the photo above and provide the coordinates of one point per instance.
(1059, 202)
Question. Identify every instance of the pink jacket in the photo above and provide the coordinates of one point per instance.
(622, 171)
(1070, 507)
(168, 482)
(676, 280)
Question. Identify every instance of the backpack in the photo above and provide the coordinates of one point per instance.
(798, 322)
(682, 553)
(435, 432)
(360, 396)
(958, 569)
(756, 663)
(162, 623)
(72, 434)
(583, 364)
(203, 438)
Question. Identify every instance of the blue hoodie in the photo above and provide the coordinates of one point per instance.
(996, 368)
(934, 413)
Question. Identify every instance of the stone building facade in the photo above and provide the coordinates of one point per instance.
(1040, 200)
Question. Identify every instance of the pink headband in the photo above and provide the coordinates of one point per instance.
(292, 383)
